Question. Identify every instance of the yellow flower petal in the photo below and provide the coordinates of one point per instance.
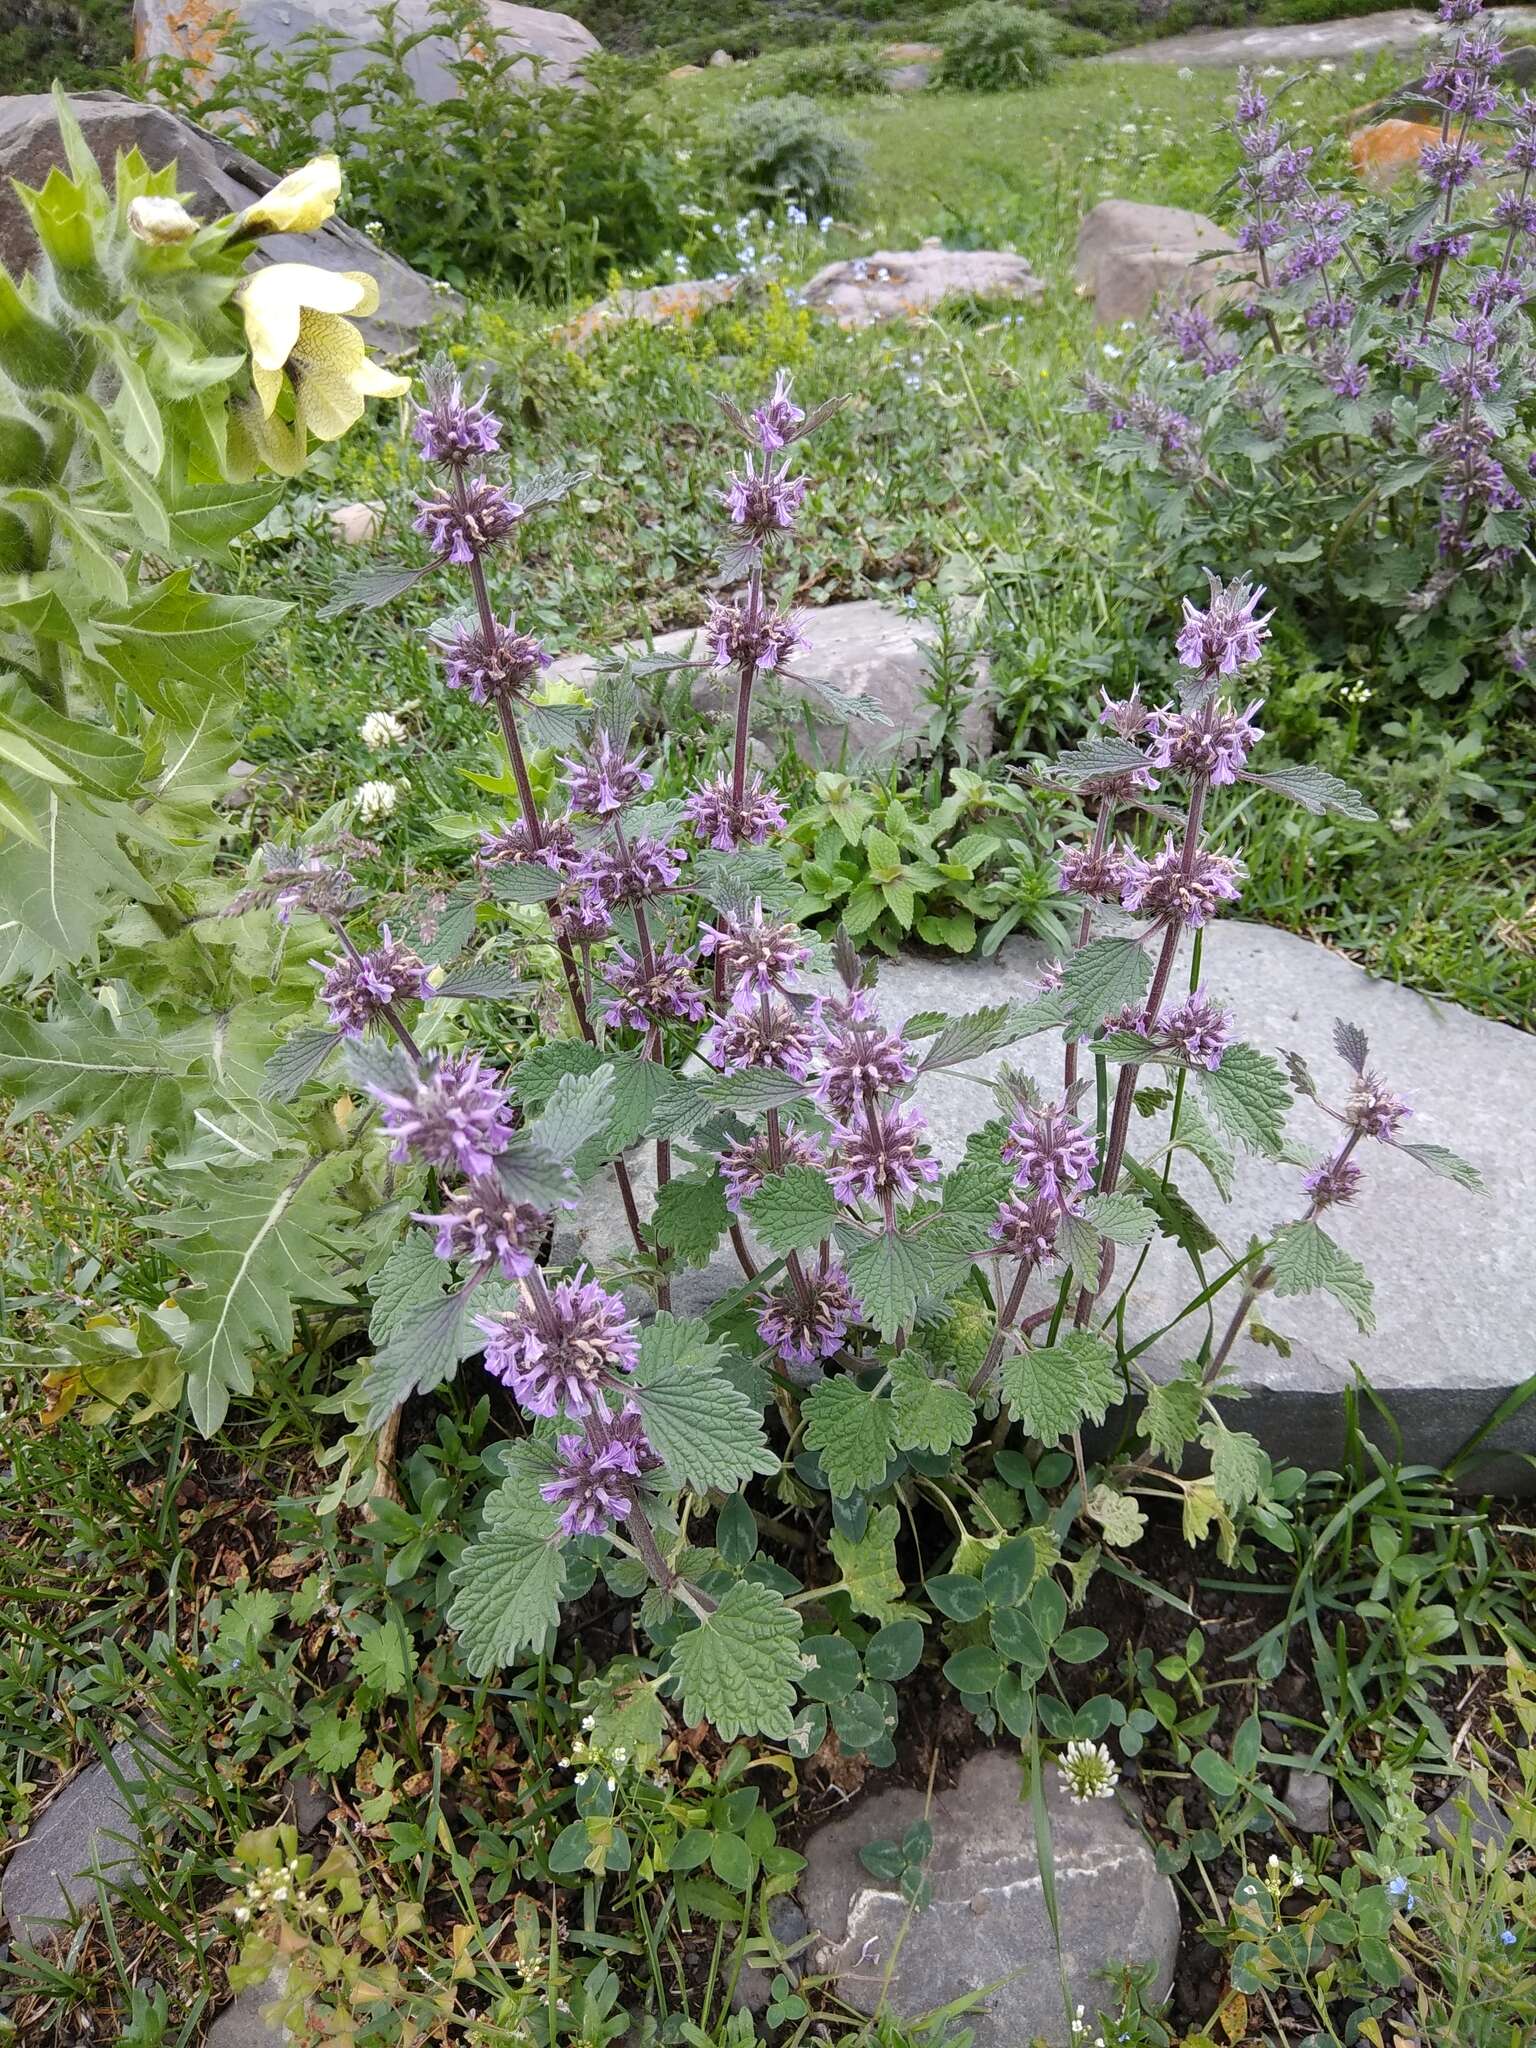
(272, 299)
(304, 200)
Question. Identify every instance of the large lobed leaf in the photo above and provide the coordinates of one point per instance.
(738, 1669)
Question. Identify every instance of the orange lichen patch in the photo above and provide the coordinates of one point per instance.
(195, 29)
(1390, 150)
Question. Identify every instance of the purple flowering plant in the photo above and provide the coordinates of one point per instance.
(879, 1334)
(1352, 404)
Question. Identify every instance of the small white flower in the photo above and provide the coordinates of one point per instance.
(1114, 354)
(1358, 77)
(1327, 67)
(683, 156)
(1090, 1772)
(582, 1776)
(1185, 73)
(242, 1913)
(381, 729)
(1271, 71)
(377, 800)
(824, 225)
(796, 215)
(588, 1723)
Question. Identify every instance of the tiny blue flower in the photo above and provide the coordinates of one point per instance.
(1397, 1886)
(1508, 1936)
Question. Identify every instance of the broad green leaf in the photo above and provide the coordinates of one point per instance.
(738, 1668)
(578, 1109)
(830, 1667)
(523, 881)
(890, 1274)
(1197, 1137)
(1248, 1097)
(1124, 1219)
(893, 1652)
(412, 1274)
(929, 1414)
(1176, 1218)
(1104, 977)
(851, 1433)
(706, 1432)
(1314, 789)
(81, 1064)
(1050, 1391)
(509, 1580)
(1447, 1164)
(691, 1216)
(296, 1061)
(174, 646)
(1118, 1515)
(1171, 1416)
(424, 1347)
(534, 1079)
(94, 758)
(867, 1565)
(253, 1242)
(1305, 1259)
(205, 518)
(794, 1211)
(62, 888)
(1240, 1470)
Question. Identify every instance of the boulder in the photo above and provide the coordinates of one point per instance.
(1397, 28)
(1128, 253)
(1454, 1271)
(866, 650)
(86, 1828)
(1309, 1795)
(988, 1928)
(1389, 151)
(657, 305)
(215, 178)
(911, 53)
(244, 2022)
(908, 77)
(721, 60)
(190, 32)
(894, 284)
(686, 71)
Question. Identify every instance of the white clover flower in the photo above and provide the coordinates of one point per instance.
(242, 1913)
(1327, 67)
(377, 800)
(1090, 1772)
(1185, 73)
(381, 729)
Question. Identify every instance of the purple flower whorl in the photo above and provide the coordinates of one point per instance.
(802, 1325)
(357, 989)
(564, 1349)
(598, 1483)
(451, 1114)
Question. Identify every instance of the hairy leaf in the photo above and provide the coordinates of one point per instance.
(1305, 1259)
(930, 1415)
(523, 881)
(793, 1211)
(424, 1347)
(1176, 1219)
(297, 1060)
(1171, 1416)
(85, 1065)
(705, 1431)
(1351, 1044)
(492, 981)
(1239, 1468)
(509, 1580)
(1104, 977)
(535, 1077)
(1314, 789)
(1109, 755)
(1449, 1165)
(1050, 1391)
(1248, 1097)
(1124, 1219)
(412, 1274)
(867, 1565)
(691, 1216)
(737, 1669)
(372, 588)
(579, 1107)
(851, 1432)
(1118, 1515)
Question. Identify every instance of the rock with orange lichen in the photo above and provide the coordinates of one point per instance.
(658, 305)
(1389, 151)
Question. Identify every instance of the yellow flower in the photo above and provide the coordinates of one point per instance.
(295, 326)
(304, 200)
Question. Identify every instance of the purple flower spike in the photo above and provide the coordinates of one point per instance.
(1051, 1154)
(1026, 1228)
(764, 505)
(762, 1032)
(756, 957)
(1374, 1109)
(452, 429)
(1160, 889)
(777, 419)
(1227, 634)
(640, 999)
(481, 1223)
(581, 915)
(1335, 1181)
(1198, 1028)
(1212, 741)
(1082, 872)
(603, 782)
(596, 1485)
(1126, 717)
(511, 845)
(803, 1327)
(357, 990)
(884, 1153)
(453, 1116)
(645, 868)
(459, 526)
(745, 1165)
(493, 668)
(862, 1059)
(563, 1349)
(747, 636)
(724, 824)
(1447, 166)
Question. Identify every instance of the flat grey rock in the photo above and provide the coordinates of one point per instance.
(1491, 1825)
(191, 31)
(1454, 1272)
(866, 650)
(900, 284)
(1130, 254)
(85, 1828)
(908, 77)
(1397, 28)
(242, 2025)
(988, 1920)
(215, 178)
(1309, 1795)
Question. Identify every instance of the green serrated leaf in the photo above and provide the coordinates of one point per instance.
(509, 1579)
(851, 1432)
(1248, 1097)
(1240, 1469)
(1124, 1219)
(1107, 976)
(1305, 1259)
(296, 1061)
(1171, 1416)
(867, 1565)
(794, 1211)
(706, 1432)
(83, 1065)
(1447, 1164)
(691, 1216)
(1050, 1391)
(1314, 789)
(413, 1273)
(738, 1668)
(930, 1415)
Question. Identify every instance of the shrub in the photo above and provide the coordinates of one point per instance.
(534, 183)
(1362, 420)
(838, 70)
(77, 43)
(997, 47)
(787, 148)
(894, 1320)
